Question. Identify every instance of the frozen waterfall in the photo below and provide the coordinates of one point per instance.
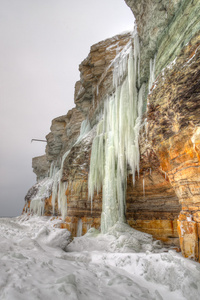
(116, 146)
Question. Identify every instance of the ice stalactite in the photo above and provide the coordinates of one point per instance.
(79, 228)
(54, 173)
(54, 167)
(144, 186)
(85, 128)
(59, 188)
(96, 174)
(152, 65)
(55, 187)
(116, 143)
(62, 198)
(51, 170)
(37, 206)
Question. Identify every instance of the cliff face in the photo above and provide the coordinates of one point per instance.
(174, 108)
(164, 27)
(161, 69)
(169, 30)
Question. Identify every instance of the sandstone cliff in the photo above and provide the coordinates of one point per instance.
(167, 107)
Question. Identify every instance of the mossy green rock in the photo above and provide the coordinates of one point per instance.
(164, 28)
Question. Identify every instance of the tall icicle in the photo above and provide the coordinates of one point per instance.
(62, 198)
(152, 66)
(116, 145)
(55, 187)
(79, 228)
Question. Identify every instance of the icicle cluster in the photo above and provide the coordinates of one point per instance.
(62, 198)
(44, 191)
(58, 187)
(37, 206)
(116, 143)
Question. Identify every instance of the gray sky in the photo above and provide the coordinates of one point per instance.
(42, 42)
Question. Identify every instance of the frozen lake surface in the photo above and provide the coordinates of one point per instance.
(37, 262)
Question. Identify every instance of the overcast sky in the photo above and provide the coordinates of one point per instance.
(42, 42)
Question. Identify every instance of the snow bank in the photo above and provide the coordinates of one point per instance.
(34, 265)
(120, 238)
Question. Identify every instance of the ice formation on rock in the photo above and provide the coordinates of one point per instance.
(58, 187)
(44, 191)
(55, 187)
(80, 228)
(143, 186)
(62, 198)
(120, 238)
(85, 128)
(152, 65)
(53, 169)
(116, 146)
(51, 186)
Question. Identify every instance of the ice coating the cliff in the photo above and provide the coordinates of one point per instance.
(116, 143)
(53, 185)
(44, 188)
(139, 144)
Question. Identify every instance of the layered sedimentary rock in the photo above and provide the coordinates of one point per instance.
(170, 31)
(40, 167)
(173, 114)
(96, 75)
(162, 63)
(64, 132)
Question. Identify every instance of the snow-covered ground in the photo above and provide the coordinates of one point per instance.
(37, 262)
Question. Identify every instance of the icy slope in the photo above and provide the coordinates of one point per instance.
(33, 265)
